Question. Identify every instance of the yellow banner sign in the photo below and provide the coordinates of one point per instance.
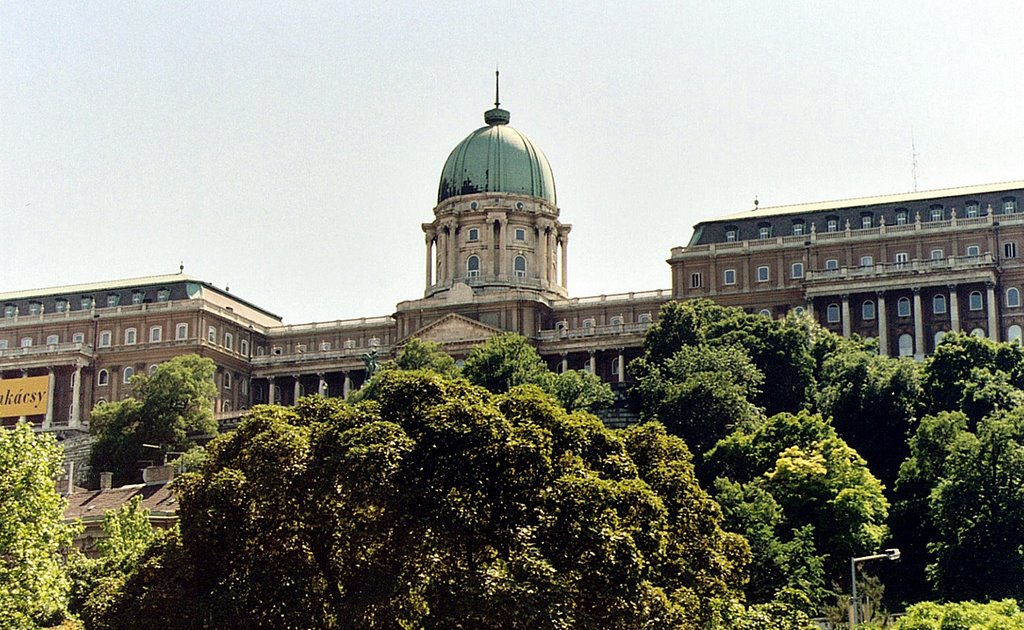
(23, 396)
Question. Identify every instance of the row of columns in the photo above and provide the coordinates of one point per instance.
(620, 364)
(346, 386)
(881, 315)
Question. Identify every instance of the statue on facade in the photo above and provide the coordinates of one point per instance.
(370, 361)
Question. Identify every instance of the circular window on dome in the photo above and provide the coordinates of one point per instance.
(473, 205)
(519, 205)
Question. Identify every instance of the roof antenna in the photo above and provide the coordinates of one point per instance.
(181, 267)
(755, 203)
(497, 101)
(913, 154)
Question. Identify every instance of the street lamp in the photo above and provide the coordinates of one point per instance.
(888, 554)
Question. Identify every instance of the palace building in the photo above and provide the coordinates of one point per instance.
(903, 269)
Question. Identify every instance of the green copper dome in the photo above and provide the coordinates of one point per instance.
(497, 158)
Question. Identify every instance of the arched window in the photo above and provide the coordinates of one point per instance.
(519, 266)
(867, 310)
(906, 345)
(765, 313)
(938, 337)
(1013, 334)
(1013, 297)
(939, 304)
(979, 333)
(153, 368)
(799, 310)
(130, 336)
(832, 313)
(103, 378)
(129, 372)
(473, 267)
(903, 307)
(974, 300)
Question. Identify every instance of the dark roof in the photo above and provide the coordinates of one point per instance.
(159, 499)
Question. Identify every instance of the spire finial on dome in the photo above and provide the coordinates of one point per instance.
(496, 116)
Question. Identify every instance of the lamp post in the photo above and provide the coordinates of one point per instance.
(890, 554)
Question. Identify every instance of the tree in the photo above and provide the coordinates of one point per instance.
(1004, 615)
(503, 362)
(168, 409)
(952, 365)
(578, 390)
(425, 355)
(438, 504)
(803, 497)
(33, 534)
(873, 402)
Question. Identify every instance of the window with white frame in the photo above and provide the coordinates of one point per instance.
(832, 224)
(867, 310)
(644, 318)
(61, 305)
(589, 322)
(473, 267)
(729, 276)
(229, 341)
(798, 228)
(832, 313)
(211, 334)
(78, 338)
(519, 266)
(974, 301)
(764, 232)
(731, 235)
(103, 378)
(972, 209)
(52, 340)
(799, 310)
(616, 320)
(762, 274)
(1010, 249)
(3, 344)
(866, 221)
(244, 384)
(243, 347)
(906, 343)
(1013, 297)
(85, 302)
(902, 258)
(765, 313)
(796, 270)
(260, 350)
(867, 261)
(903, 307)
(831, 264)
(1009, 205)
(156, 334)
(128, 373)
(26, 342)
(978, 332)
(973, 251)
(163, 295)
(227, 380)
(113, 299)
(130, 336)
(936, 213)
(35, 308)
(695, 280)
(939, 336)
(138, 297)
(939, 304)
(937, 254)
(181, 331)
(520, 234)
(153, 368)
(1013, 334)
(474, 234)
(902, 216)
(105, 338)
(10, 310)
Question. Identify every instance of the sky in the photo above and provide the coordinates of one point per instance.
(291, 151)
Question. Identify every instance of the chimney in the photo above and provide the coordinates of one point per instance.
(106, 480)
(152, 475)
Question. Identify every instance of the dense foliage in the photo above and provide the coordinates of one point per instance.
(33, 583)
(167, 409)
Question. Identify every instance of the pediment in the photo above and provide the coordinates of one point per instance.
(453, 328)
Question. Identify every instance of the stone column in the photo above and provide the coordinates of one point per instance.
(993, 315)
(592, 365)
(565, 261)
(270, 390)
(502, 254)
(883, 326)
(918, 326)
(954, 309)
(622, 366)
(541, 253)
(76, 398)
(430, 265)
(297, 391)
(48, 420)
(453, 254)
(24, 374)
(565, 363)
(847, 324)
(323, 384)
(346, 387)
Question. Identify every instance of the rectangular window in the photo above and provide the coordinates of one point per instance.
(937, 254)
(245, 386)
(3, 344)
(831, 264)
(832, 313)
(972, 210)
(163, 295)
(695, 280)
(520, 234)
(762, 274)
(764, 232)
(797, 270)
(1010, 250)
(227, 380)
(937, 214)
(866, 261)
(474, 234)
(156, 334)
(1009, 206)
(243, 347)
(26, 342)
(730, 236)
(729, 276)
(865, 221)
(86, 303)
(181, 331)
(52, 340)
(113, 299)
(10, 310)
(902, 258)
(798, 229)
(105, 339)
(973, 251)
(129, 337)
(211, 334)
(137, 297)
(901, 217)
(832, 225)
(78, 338)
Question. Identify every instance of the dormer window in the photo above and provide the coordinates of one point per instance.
(10, 310)
(832, 224)
(764, 231)
(163, 295)
(798, 227)
(35, 308)
(61, 305)
(936, 213)
(866, 221)
(902, 216)
(86, 302)
(731, 235)
(113, 299)
(137, 297)
(1009, 205)
(972, 209)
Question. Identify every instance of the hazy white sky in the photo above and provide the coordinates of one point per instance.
(292, 150)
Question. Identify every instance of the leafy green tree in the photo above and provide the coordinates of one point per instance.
(977, 507)
(952, 366)
(425, 355)
(799, 493)
(168, 408)
(873, 402)
(127, 533)
(33, 534)
(437, 504)
(996, 615)
(579, 390)
(699, 393)
(503, 362)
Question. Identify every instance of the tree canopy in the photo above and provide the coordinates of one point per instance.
(437, 504)
(166, 409)
(33, 583)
